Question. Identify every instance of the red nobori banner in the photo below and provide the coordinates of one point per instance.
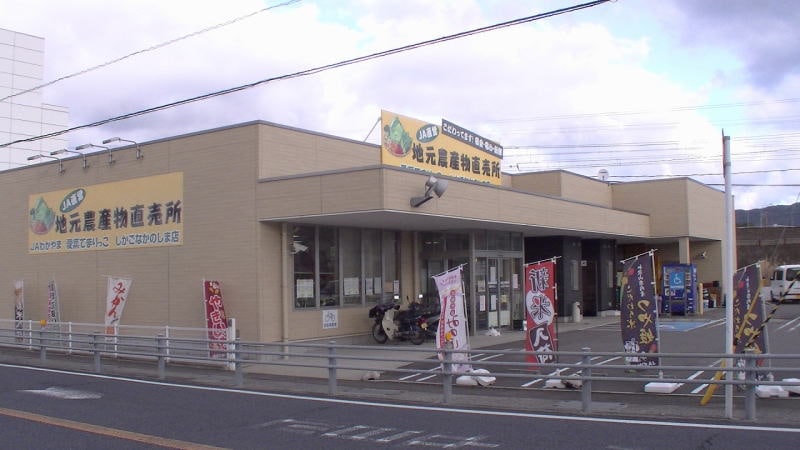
(540, 308)
(639, 315)
(216, 320)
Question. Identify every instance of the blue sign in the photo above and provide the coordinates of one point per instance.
(677, 279)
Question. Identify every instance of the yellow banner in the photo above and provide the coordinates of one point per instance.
(445, 149)
(142, 212)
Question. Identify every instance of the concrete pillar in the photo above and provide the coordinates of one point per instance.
(683, 250)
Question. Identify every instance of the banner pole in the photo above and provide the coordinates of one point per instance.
(553, 259)
(640, 254)
(449, 270)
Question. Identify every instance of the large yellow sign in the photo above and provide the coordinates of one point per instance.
(445, 149)
(142, 212)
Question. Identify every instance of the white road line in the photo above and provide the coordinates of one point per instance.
(549, 375)
(408, 377)
(617, 420)
(426, 378)
(493, 356)
(705, 385)
(789, 323)
(713, 323)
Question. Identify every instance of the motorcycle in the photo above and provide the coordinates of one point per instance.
(390, 323)
(429, 322)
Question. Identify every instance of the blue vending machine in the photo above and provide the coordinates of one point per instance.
(679, 284)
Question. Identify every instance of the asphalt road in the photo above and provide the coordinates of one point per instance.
(47, 409)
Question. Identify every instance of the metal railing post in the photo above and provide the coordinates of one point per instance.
(96, 351)
(332, 368)
(447, 373)
(750, 386)
(162, 362)
(586, 381)
(42, 346)
(238, 372)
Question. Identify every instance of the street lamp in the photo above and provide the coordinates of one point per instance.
(89, 145)
(60, 165)
(139, 154)
(65, 150)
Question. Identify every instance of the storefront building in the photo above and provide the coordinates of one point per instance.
(305, 232)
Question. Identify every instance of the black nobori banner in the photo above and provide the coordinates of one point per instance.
(639, 311)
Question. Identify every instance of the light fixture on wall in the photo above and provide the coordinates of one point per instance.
(108, 149)
(701, 255)
(60, 165)
(432, 186)
(64, 150)
(139, 154)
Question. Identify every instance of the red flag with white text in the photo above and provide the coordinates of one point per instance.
(540, 312)
(216, 320)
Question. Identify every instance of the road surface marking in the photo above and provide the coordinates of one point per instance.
(106, 431)
(383, 405)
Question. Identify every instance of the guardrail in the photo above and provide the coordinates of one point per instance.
(581, 370)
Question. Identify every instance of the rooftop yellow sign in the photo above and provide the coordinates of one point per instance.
(445, 149)
(136, 213)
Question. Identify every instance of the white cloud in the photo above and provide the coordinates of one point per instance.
(541, 83)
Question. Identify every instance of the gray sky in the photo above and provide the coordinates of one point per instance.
(637, 87)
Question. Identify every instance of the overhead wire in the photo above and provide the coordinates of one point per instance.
(149, 49)
(318, 69)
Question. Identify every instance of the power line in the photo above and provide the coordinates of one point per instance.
(651, 111)
(319, 69)
(149, 49)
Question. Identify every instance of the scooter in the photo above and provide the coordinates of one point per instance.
(390, 323)
(429, 322)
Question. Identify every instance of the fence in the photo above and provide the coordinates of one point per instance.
(582, 370)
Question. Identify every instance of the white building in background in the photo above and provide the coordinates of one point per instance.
(22, 112)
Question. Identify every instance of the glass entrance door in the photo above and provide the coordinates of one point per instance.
(495, 290)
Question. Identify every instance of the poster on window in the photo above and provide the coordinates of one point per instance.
(117, 293)
(19, 309)
(216, 320)
(639, 310)
(540, 312)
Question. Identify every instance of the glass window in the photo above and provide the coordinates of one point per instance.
(432, 242)
(516, 242)
(391, 273)
(456, 241)
(350, 240)
(304, 251)
(328, 267)
(372, 265)
(480, 240)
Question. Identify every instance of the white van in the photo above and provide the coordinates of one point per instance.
(781, 280)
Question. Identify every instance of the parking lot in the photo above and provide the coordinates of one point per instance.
(677, 334)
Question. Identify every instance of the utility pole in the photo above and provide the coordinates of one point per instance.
(727, 270)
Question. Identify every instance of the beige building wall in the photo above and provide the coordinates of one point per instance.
(220, 236)
(242, 183)
(565, 185)
(288, 151)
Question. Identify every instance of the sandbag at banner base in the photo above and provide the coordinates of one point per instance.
(476, 377)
